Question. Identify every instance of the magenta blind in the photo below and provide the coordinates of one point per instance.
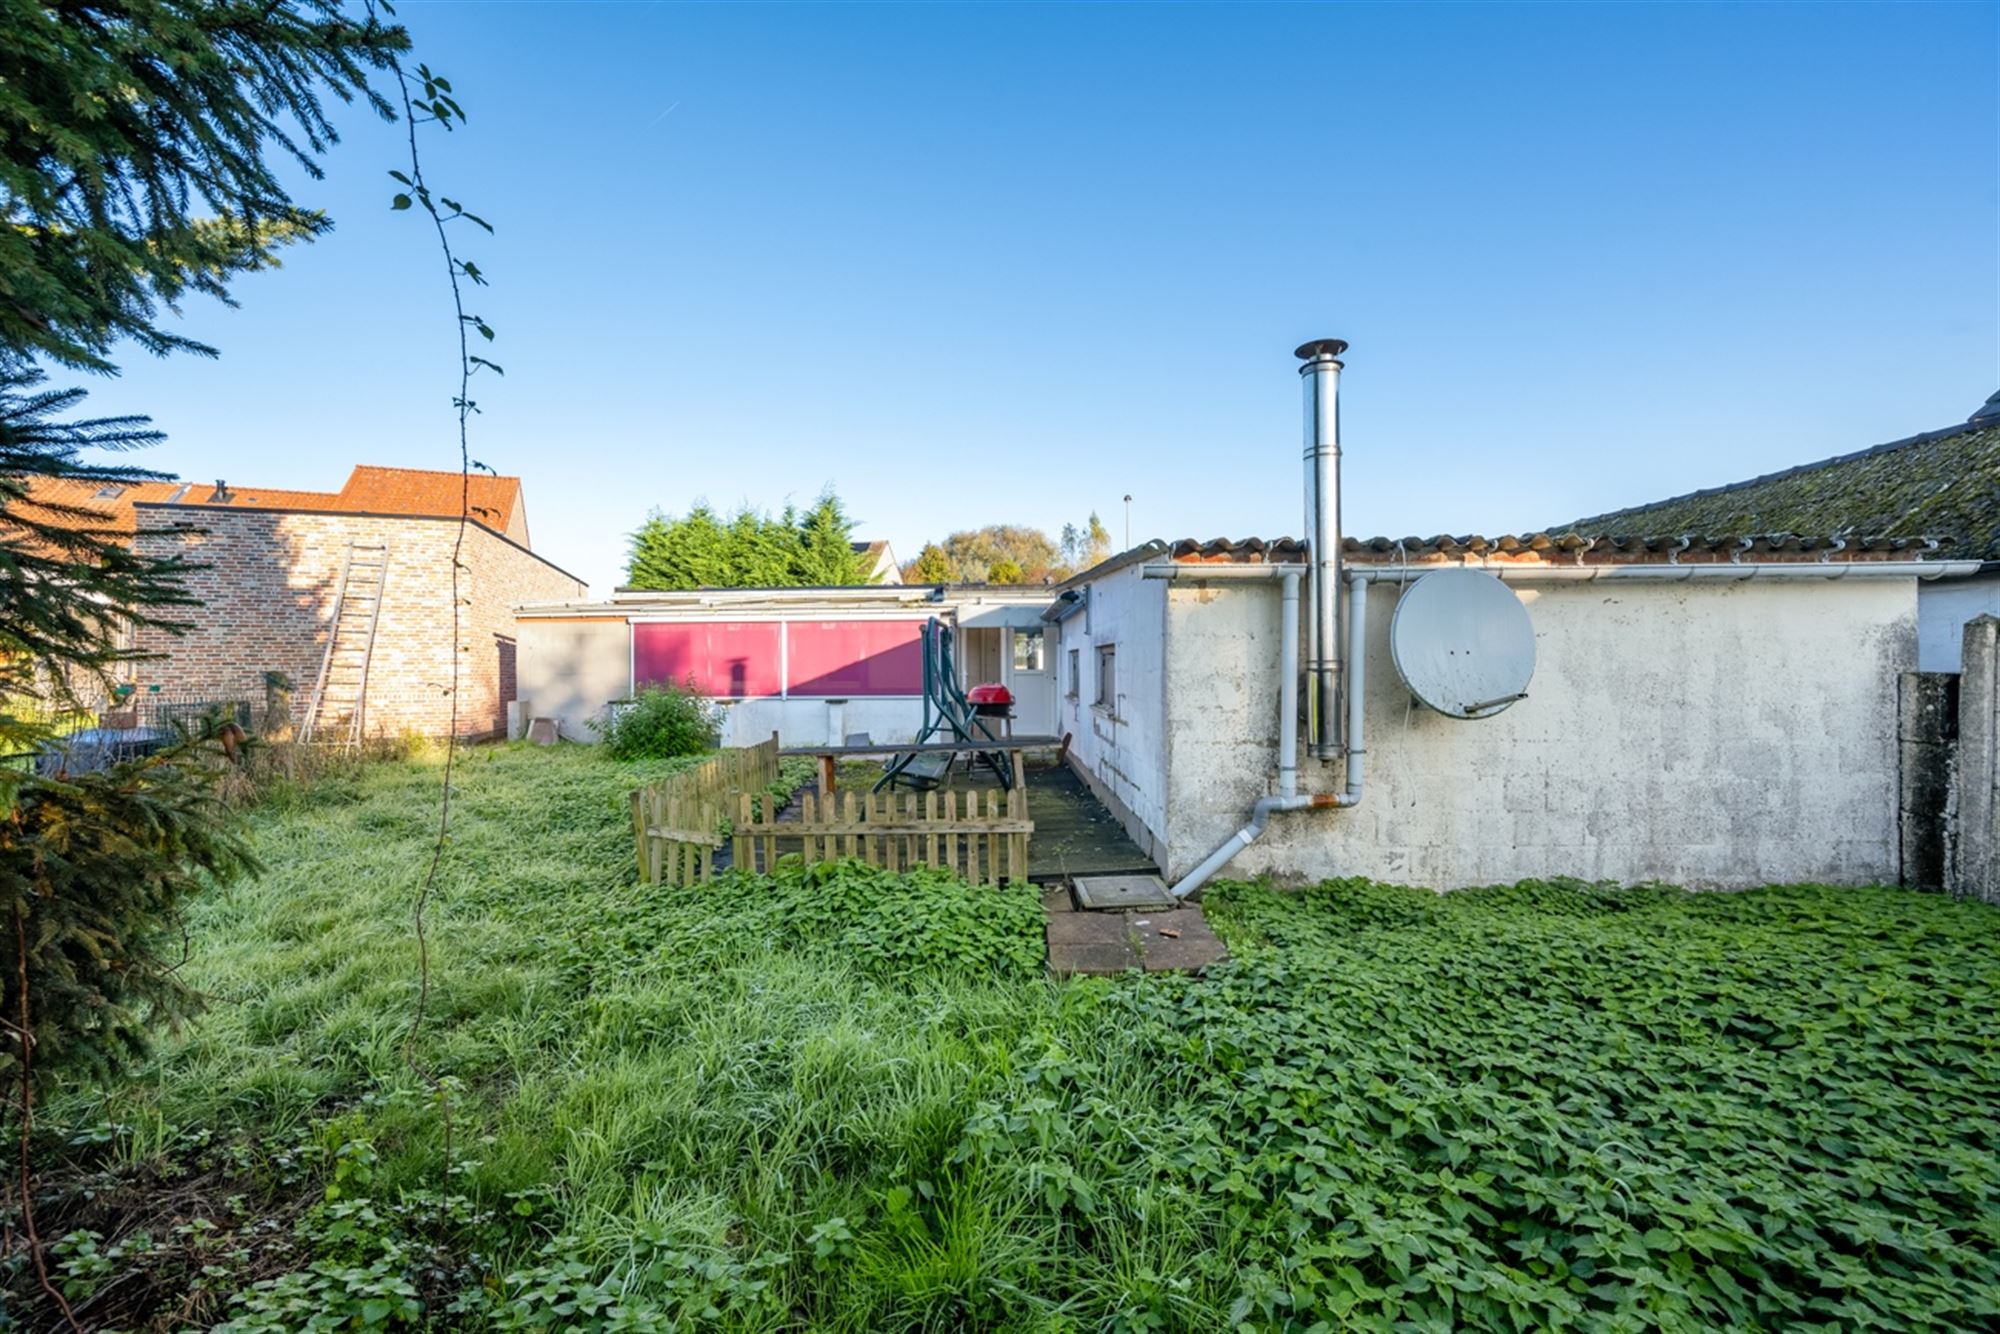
(849, 658)
(724, 659)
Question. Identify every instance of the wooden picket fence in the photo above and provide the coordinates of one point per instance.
(980, 835)
(676, 822)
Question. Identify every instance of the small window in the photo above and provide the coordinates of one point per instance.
(1075, 673)
(110, 492)
(1027, 650)
(1107, 677)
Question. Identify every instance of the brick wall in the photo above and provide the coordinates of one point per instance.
(268, 597)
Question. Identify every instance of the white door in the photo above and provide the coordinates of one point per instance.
(980, 652)
(1032, 678)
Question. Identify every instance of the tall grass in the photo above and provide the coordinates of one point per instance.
(634, 1069)
(846, 1101)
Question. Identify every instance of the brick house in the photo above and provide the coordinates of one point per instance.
(271, 582)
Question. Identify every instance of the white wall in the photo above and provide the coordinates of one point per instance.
(1716, 735)
(817, 722)
(568, 669)
(1943, 608)
(1122, 751)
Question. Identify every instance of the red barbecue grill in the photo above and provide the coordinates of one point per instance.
(991, 700)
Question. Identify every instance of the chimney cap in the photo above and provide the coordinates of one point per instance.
(1320, 347)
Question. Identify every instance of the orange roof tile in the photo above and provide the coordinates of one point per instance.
(495, 502)
(110, 500)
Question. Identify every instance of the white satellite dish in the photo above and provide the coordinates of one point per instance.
(1462, 643)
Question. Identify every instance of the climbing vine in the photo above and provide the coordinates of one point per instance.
(428, 100)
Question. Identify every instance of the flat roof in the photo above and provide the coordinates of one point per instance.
(847, 598)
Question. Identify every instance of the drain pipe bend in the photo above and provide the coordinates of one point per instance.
(1288, 797)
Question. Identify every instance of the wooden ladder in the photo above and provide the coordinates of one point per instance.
(340, 696)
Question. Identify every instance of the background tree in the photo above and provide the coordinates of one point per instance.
(1025, 555)
(974, 552)
(676, 553)
(931, 566)
(1086, 546)
(826, 545)
(751, 549)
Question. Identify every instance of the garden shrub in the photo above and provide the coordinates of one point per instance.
(660, 723)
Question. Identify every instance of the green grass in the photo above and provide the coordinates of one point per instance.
(840, 1100)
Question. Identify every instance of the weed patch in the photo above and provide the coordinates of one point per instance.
(883, 925)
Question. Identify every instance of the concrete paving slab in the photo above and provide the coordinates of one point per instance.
(1179, 941)
(1102, 943)
(1093, 961)
(1082, 927)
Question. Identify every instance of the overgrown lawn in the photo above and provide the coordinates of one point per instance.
(841, 1100)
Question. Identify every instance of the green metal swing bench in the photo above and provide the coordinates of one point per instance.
(948, 714)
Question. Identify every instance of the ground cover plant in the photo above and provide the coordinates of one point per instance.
(836, 1099)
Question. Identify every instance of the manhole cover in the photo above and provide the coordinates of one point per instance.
(1112, 893)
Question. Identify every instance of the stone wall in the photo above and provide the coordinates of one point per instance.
(1927, 744)
(1976, 771)
(267, 591)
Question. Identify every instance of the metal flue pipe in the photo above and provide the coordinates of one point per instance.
(1321, 379)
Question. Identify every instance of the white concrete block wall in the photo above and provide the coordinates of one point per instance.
(567, 669)
(1715, 735)
(819, 722)
(1123, 750)
(571, 667)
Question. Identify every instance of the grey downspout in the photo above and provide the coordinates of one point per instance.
(1357, 682)
(1287, 797)
(1288, 687)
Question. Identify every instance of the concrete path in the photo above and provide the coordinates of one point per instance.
(1176, 940)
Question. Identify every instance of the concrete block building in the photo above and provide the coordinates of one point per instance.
(1712, 725)
(1714, 690)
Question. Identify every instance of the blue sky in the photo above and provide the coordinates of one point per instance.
(1009, 263)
